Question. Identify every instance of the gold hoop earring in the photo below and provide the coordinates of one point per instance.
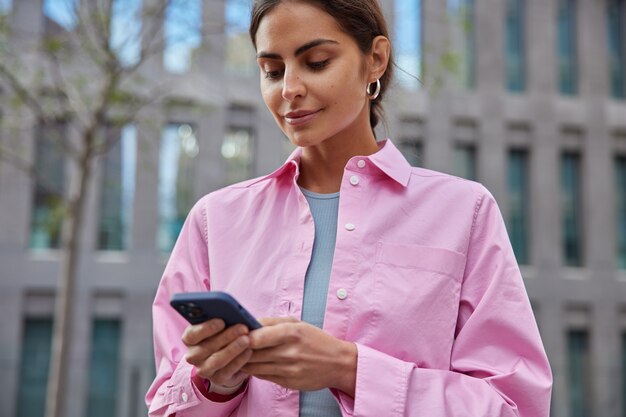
(373, 96)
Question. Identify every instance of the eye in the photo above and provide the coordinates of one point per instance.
(273, 74)
(318, 65)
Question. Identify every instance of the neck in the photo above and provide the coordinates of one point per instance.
(321, 166)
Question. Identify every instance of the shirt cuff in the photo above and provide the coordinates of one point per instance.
(181, 393)
(378, 375)
(203, 386)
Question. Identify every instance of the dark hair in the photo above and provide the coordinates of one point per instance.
(363, 20)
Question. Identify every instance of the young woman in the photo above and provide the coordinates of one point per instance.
(388, 290)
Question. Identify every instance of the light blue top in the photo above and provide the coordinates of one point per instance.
(325, 209)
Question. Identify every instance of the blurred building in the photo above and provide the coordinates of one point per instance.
(526, 96)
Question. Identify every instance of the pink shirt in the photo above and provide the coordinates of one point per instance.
(424, 281)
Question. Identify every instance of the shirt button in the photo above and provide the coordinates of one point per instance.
(342, 293)
(350, 227)
(184, 397)
(354, 180)
(361, 163)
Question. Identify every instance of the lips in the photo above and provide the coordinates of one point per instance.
(300, 117)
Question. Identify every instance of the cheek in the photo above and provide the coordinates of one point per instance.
(271, 96)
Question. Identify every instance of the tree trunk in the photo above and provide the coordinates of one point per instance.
(70, 252)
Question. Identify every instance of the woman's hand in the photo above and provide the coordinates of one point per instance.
(217, 353)
(300, 356)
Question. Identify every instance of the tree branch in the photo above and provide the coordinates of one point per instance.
(34, 104)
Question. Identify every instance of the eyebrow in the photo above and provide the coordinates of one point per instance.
(302, 49)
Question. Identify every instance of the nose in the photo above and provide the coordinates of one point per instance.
(293, 86)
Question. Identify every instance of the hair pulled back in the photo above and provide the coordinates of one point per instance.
(363, 20)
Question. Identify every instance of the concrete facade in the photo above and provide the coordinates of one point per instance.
(540, 120)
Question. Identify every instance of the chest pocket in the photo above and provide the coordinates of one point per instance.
(417, 291)
(436, 260)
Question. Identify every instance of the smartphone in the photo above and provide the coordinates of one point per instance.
(197, 307)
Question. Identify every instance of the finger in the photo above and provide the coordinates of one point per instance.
(197, 354)
(232, 369)
(272, 336)
(276, 354)
(272, 321)
(196, 333)
(215, 363)
(264, 370)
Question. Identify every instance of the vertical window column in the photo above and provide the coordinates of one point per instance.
(571, 185)
(411, 148)
(579, 373)
(465, 161)
(62, 12)
(125, 36)
(182, 32)
(410, 141)
(518, 204)
(5, 7)
(616, 37)
(239, 50)
(47, 209)
(464, 38)
(624, 373)
(567, 47)
(620, 210)
(408, 42)
(34, 367)
(515, 45)
(238, 147)
(104, 368)
(118, 189)
(238, 151)
(179, 148)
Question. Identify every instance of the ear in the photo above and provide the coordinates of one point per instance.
(378, 58)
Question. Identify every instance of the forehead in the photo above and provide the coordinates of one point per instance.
(292, 23)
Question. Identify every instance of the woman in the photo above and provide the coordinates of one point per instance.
(390, 290)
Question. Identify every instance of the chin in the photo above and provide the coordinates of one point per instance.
(305, 138)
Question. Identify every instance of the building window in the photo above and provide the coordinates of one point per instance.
(515, 45)
(179, 148)
(183, 25)
(518, 224)
(571, 208)
(125, 37)
(617, 46)
(624, 374)
(34, 367)
(240, 54)
(463, 19)
(118, 189)
(61, 12)
(567, 47)
(47, 210)
(620, 199)
(579, 373)
(412, 150)
(104, 368)
(408, 42)
(5, 10)
(465, 161)
(238, 153)
(5, 7)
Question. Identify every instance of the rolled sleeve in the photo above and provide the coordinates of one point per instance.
(180, 397)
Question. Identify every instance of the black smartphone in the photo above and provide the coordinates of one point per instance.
(197, 307)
